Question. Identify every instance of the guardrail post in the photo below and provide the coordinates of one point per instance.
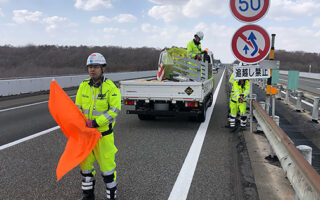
(298, 105)
(263, 105)
(306, 151)
(315, 112)
(268, 105)
(287, 100)
(278, 95)
(273, 97)
(276, 119)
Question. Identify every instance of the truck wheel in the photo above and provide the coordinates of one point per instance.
(146, 117)
(210, 100)
(202, 116)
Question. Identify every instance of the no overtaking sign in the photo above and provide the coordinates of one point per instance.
(250, 44)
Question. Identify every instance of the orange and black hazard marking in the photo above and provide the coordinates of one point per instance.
(189, 90)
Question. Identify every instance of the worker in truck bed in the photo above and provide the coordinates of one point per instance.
(194, 49)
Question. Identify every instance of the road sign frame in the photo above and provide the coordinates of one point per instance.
(237, 35)
(254, 18)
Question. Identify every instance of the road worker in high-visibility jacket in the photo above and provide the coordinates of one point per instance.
(100, 101)
(238, 97)
(194, 49)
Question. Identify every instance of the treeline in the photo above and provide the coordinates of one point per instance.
(46, 60)
(298, 60)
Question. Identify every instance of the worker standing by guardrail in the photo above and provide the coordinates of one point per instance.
(100, 101)
(239, 93)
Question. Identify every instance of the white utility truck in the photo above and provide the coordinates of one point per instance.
(187, 90)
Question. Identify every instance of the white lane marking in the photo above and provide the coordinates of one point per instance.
(182, 185)
(23, 106)
(318, 88)
(28, 138)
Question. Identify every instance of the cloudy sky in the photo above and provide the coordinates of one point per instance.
(153, 23)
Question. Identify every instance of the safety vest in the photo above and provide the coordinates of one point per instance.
(102, 103)
(193, 51)
(238, 89)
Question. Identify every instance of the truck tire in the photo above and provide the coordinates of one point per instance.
(202, 116)
(210, 100)
(146, 117)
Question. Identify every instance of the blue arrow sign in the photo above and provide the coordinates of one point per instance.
(246, 49)
(252, 38)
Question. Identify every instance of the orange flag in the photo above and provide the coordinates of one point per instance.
(72, 122)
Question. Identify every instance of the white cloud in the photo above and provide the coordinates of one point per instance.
(54, 22)
(174, 10)
(284, 10)
(122, 18)
(294, 39)
(316, 22)
(113, 31)
(196, 8)
(100, 19)
(147, 28)
(90, 5)
(1, 13)
(54, 19)
(173, 2)
(23, 16)
(50, 23)
(166, 12)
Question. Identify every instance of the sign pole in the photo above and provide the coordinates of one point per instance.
(250, 44)
(251, 108)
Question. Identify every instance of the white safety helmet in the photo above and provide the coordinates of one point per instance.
(200, 35)
(96, 59)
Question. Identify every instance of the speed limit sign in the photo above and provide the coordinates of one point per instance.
(249, 10)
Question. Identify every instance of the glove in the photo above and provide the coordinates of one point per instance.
(240, 100)
(198, 57)
(90, 123)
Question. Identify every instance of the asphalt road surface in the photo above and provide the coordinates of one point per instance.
(310, 85)
(150, 157)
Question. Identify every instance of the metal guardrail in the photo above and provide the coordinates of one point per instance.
(303, 178)
(297, 96)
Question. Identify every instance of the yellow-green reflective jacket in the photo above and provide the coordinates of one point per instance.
(238, 89)
(193, 49)
(102, 104)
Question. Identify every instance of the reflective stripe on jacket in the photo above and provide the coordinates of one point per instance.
(238, 89)
(100, 103)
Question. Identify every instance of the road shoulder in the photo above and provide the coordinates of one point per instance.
(270, 179)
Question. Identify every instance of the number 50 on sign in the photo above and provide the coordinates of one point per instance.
(249, 10)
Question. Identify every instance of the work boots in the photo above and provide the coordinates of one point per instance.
(87, 185)
(111, 193)
(88, 195)
(243, 122)
(111, 185)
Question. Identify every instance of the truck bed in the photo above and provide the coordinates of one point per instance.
(152, 90)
